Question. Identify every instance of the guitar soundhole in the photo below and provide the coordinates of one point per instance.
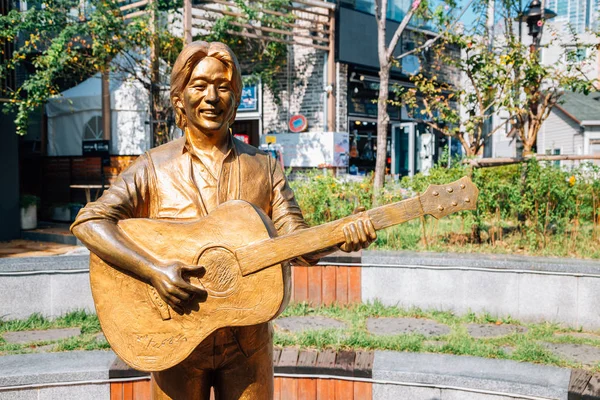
(222, 272)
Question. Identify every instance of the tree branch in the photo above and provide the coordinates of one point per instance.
(398, 33)
(431, 41)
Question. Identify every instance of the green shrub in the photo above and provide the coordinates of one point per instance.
(535, 200)
(28, 200)
(323, 198)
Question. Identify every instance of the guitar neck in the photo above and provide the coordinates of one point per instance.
(262, 254)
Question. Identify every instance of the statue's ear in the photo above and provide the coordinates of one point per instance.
(177, 102)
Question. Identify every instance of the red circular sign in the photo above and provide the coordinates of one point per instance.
(298, 123)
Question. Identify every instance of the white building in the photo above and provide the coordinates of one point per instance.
(573, 127)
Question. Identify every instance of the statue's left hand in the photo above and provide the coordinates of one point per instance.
(359, 234)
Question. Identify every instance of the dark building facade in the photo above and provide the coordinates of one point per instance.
(9, 154)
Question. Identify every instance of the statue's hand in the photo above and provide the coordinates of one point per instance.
(359, 234)
(168, 281)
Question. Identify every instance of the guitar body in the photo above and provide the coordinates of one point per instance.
(150, 336)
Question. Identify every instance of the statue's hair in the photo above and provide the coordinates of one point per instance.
(187, 60)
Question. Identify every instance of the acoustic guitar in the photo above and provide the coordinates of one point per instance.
(247, 279)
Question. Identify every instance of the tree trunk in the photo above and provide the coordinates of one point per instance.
(383, 121)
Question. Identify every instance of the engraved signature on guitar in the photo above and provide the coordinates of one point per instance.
(149, 341)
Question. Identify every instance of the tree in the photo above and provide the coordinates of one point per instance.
(422, 8)
(64, 45)
(464, 112)
(536, 87)
(386, 59)
(504, 78)
(255, 38)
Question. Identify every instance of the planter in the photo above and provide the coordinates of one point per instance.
(29, 217)
(61, 213)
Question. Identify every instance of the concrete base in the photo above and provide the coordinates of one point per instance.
(395, 376)
(526, 288)
(440, 376)
(51, 286)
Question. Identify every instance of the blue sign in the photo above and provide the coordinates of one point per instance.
(249, 98)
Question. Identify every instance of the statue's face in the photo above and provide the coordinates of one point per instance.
(208, 98)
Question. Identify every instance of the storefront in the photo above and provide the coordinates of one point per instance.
(411, 147)
(248, 121)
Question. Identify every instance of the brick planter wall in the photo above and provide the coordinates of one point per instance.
(285, 389)
(327, 284)
(319, 383)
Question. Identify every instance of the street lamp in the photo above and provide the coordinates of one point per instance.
(533, 15)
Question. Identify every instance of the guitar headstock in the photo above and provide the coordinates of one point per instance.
(441, 200)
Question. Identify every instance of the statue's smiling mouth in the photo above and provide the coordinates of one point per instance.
(211, 112)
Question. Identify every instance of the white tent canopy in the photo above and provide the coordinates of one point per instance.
(76, 115)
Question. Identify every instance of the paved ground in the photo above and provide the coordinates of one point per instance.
(580, 335)
(49, 335)
(399, 326)
(582, 353)
(492, 330)
(30, 248)
(299, 324)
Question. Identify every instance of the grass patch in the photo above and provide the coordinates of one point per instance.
(89, 324)
(526, 346)
(453, 234)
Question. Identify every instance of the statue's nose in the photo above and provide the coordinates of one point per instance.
(211, 95)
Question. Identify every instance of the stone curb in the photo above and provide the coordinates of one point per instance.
(47, 263)
(486, 261)
(489, 261)
(474, 373)
(50, 237)
(398, 368)
(80, 262)
(45, 368)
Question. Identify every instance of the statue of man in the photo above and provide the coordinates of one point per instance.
(187, 179)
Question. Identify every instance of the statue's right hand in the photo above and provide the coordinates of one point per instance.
(168, 281)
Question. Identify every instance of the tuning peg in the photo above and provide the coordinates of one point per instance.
(449, 190)
(441, 208)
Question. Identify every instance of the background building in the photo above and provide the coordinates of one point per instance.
(582, 15)
(411, 146)
(9, 153)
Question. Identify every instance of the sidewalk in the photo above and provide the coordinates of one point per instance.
(30, 248)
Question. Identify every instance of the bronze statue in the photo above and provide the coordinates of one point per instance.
(190, 244)
(170, 289)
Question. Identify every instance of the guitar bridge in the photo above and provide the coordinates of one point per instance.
(161, 306)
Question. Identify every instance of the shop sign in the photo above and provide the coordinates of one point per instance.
(249, 100)
(94, 148)
(97, 148)
(298, 123)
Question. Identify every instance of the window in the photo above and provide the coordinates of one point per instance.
(575, 55)
(556, 152)
(595, 149)
(93, 129)
(396, 9)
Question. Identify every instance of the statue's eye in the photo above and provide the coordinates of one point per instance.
(224, 88)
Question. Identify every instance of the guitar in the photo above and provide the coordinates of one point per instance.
(247, 279)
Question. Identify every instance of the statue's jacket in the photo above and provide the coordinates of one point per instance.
(160, 184)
